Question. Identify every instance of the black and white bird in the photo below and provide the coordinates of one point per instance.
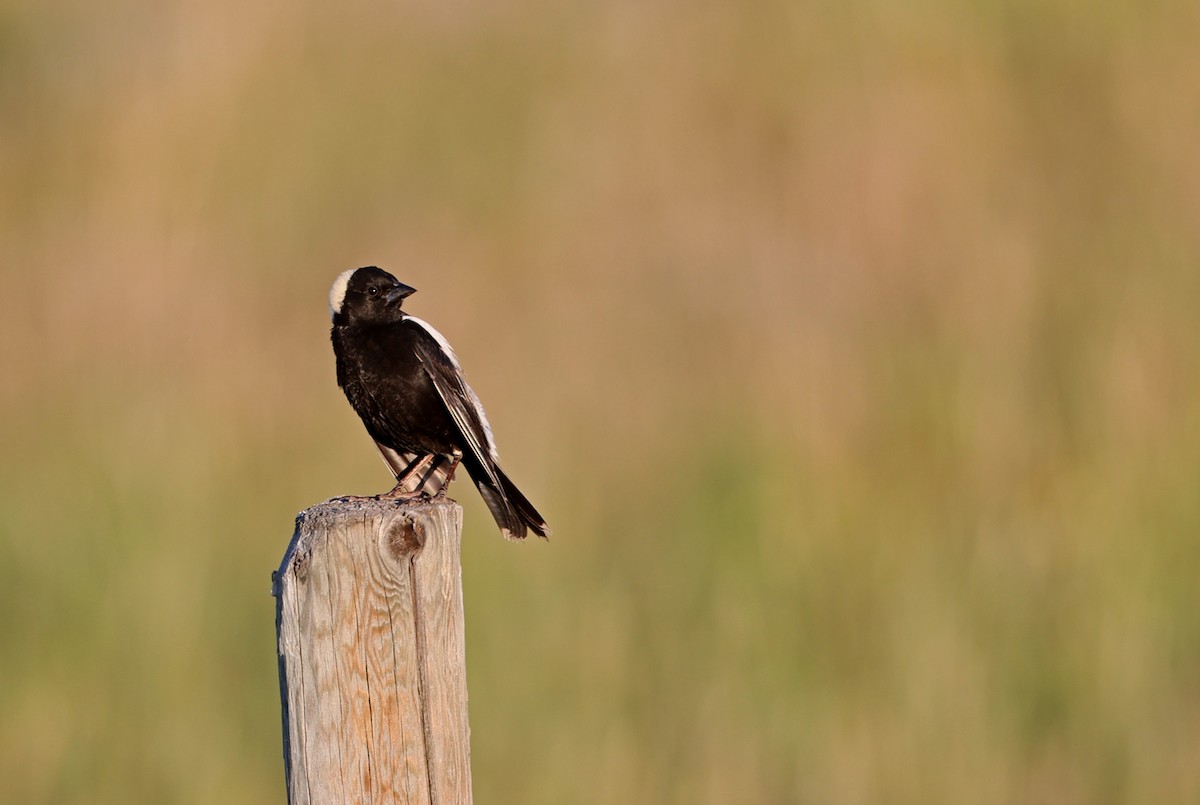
(404, 382)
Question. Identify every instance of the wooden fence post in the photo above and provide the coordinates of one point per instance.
(372, 667)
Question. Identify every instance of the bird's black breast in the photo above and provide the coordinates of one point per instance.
(390, 389)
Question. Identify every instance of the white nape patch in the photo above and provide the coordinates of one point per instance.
(337, 294)
(471, 395)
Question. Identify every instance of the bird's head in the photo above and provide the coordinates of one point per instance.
(366, 294)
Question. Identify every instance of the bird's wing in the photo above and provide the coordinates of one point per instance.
(460, 399)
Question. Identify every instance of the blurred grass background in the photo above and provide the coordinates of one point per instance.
(851, 350)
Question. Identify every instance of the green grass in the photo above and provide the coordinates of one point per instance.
(850, 350)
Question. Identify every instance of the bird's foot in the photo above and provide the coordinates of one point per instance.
(399, 492)
(356, 498)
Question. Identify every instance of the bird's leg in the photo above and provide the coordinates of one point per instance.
(438, 460)
(450, 474)
(405, 474)
(415, 467)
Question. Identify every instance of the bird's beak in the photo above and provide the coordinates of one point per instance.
(397, 292)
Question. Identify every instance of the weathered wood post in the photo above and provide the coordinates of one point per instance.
(372, 666)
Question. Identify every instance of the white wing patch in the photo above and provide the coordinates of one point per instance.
(337, 294)
(441, 339)
(471, 395)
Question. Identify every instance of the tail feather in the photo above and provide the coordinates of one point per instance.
(524, 508)
(513, 512)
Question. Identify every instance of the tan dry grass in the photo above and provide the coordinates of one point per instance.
(850, 349)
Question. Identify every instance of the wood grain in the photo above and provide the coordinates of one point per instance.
(372, 664)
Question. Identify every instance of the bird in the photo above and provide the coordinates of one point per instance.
(404, 381)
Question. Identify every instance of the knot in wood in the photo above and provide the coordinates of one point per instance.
(299, 567)
(404, 537)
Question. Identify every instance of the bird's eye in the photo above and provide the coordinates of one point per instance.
(373, 290)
